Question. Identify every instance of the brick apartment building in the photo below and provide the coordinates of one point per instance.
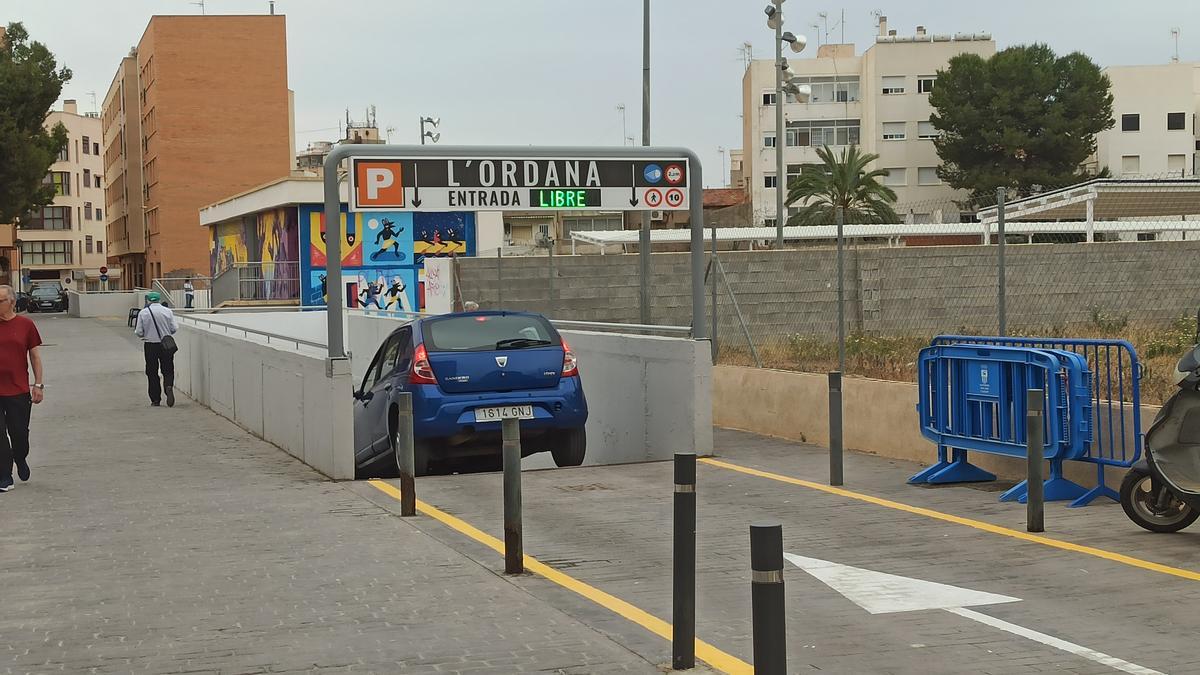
(199, 110)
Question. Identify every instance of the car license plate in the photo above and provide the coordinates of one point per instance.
(520, 412)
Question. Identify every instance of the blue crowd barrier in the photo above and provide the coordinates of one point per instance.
(1116, 399)
(972, 398)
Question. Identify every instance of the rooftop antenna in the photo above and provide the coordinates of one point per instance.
(93, 95)
(272, 4)
(624, 131)
(199, 3)
(389, 133)
(825, 19)
(747, 52)
(1175, 35)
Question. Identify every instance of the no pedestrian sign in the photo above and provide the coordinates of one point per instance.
(510, 184)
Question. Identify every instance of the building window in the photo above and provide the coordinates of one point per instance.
(99, 246)
(1176, 121)
(87, 178)
(1131, 165)
(769, 180)
(831, 89)
(768, 140)
(48, 218)
(46, 252)
(1176, 163)
(768, 98)
(925, 84)
(818, 133)
(927, 175)
(64, 155)
(97, 180)
(1131, 122)
(99, 216)
(87, 145)
(96, 149)
(590, 224)
(893, 84)
(896, 177)
(926, 130)
(893, 131)
(87, 210)
(61, 180)
(91, 245)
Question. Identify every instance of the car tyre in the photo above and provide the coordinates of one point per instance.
(570, 448)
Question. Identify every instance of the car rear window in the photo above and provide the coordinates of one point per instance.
(488, 333)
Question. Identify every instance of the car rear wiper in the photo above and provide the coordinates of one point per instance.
(522, 343)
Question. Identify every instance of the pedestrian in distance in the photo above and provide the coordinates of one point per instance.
(156, 326)
(19, 342)
(189, 293)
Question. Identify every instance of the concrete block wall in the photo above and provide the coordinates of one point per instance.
(899, 290)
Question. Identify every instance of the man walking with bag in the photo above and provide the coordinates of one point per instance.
(19, 341)
(156, 325)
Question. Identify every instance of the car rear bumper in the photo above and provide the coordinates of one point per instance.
(437, 415)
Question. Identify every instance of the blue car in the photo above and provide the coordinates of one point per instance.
(466, 372)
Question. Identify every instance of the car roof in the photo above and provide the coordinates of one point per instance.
(416, 321)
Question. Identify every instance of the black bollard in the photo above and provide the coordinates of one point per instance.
(766, 584)
(683, 616)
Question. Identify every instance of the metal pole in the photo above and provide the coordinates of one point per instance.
(841, 292)
(405, 460)
(716, 350)
(499, 277)
(683, 576)
(333, 254)
(835, 428)
(1035, 515)
(1000, 260)
(780, 135)
(766, 588)
(644, 236)
(553, 306)
(696, 221)
(511, 444)
(738, 310)
(422, 119)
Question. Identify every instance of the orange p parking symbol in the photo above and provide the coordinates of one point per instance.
(378, 183)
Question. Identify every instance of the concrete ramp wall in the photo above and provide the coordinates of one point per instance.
(279, 394)
(103, 303)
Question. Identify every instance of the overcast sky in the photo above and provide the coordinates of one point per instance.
(552, 72)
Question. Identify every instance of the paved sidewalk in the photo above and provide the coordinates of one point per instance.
(611, 527)
(156, 540)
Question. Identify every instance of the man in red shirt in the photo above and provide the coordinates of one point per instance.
(19, 341)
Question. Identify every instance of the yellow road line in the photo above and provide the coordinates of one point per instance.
(977, 524)
(704, 651)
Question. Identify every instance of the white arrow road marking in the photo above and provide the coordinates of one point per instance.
(882, 593)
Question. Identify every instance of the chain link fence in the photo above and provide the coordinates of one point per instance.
(1133, 282)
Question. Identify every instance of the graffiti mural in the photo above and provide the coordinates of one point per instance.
(278, 231)
(382, 254)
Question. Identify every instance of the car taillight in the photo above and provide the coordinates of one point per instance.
(422, 372)
(570, 363)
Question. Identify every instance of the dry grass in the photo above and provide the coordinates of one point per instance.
(894, 357)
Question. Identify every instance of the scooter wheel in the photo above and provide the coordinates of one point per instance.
(1140, 504)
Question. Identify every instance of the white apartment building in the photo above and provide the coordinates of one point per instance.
(1154, 110)
(878, 100)
(64, 241)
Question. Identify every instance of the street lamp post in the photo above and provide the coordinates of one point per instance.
(433, 136)
(783, 84)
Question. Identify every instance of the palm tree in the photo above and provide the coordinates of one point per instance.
(842, 181)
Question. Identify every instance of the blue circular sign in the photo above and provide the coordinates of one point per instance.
(103, 277)
(653, 174)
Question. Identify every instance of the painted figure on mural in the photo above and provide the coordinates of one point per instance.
(396, 296)
(369, 295)
(387, 239)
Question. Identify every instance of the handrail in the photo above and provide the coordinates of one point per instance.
(619, 326)
(248, 331)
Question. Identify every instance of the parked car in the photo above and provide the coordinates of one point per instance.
(465, 373)
(47, 299)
